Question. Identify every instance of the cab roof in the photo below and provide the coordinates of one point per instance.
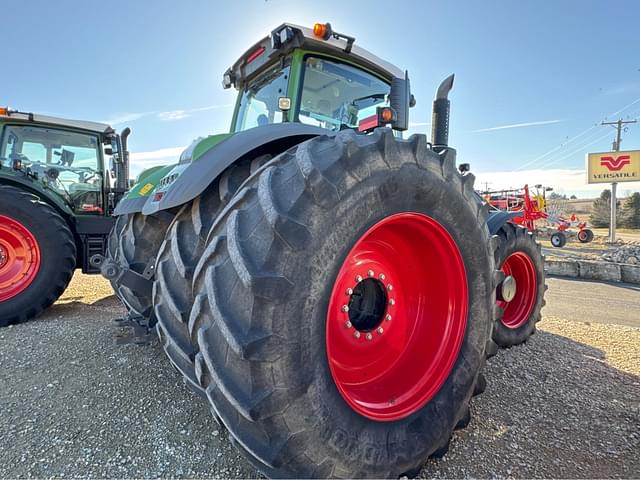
(34, 118)
(270, 48)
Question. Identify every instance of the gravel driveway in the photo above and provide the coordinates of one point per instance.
(74, 404)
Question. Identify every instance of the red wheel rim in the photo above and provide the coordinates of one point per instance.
(19, 258)
(389, 358)
(582, 235)
(516, 312)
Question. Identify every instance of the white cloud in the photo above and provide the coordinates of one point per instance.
(120, 118)
(154, 155)
(517, 125)
(564, 181)
(180, 114)
(173, 115)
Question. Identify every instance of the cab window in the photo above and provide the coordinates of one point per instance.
(336, 95)
(259, 100)
(68, 162)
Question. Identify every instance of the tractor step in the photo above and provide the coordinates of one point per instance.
(133, 330)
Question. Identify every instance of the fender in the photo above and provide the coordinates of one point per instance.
(498, 218)
(187, 180)
(144, 187)
(40, 191)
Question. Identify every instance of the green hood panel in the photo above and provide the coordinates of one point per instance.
(200, 147)
(147, 181)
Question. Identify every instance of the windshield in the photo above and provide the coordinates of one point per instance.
(259, 101)
(336, 95)
(67, 162)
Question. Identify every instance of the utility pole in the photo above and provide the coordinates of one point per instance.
(486, 186)
(614, 185)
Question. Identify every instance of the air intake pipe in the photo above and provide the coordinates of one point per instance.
(440, 116)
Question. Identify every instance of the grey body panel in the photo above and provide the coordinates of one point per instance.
(199, 174)
(498, 218)
(130, 205)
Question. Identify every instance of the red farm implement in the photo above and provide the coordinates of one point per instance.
(526, 209)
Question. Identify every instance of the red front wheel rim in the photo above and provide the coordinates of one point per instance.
(397, 316)
(19, 258)
(517, 312)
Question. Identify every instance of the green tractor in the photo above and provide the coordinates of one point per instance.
(56, 205)
(330, 287)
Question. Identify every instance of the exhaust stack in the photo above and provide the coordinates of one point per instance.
(440, 116)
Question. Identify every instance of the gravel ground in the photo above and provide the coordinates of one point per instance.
(73, 404)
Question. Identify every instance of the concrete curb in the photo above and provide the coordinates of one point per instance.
(593, 270)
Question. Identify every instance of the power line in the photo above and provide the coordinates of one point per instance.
(574, 138)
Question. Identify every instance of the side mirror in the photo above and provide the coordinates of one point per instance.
(400, 99)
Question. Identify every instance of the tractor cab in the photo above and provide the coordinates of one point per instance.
(64, 159)
(316, 77)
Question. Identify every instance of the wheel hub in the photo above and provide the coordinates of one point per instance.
(19, 258)
(394, 328)
(508, 289)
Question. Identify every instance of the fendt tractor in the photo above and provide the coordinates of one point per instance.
(56, 205)
(332, 288)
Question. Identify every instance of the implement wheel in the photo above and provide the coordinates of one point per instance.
(343, 304)
(520, 259)
(585, 235)
(37, 255)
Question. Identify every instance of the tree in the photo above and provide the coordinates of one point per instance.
(600, 211)
(557, 196)
(573, 197)
(630, 214)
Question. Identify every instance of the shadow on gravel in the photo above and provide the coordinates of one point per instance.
(73, 404)
(553, 408)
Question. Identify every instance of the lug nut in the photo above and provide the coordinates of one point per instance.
(345, 308)
(388, 317)
(348, 324)
(380, 330)
(389, 287)
(349, 291)
(392, 301)
(356, 334)
(370, 273)
(358, 278)
(369, 336)
(382, 276)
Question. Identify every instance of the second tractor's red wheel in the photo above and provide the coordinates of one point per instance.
(397, 316)
(521, 268)
(19, 258)
(521, 295)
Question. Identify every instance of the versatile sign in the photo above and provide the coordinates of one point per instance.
(609, 167)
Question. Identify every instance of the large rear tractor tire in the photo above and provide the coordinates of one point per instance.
(37, 255)
(185, 241)
(133, 244)
(519, 256)
(343, 304)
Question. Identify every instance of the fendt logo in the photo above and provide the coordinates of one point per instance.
(614, 164)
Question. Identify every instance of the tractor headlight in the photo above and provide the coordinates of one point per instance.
(281, 37)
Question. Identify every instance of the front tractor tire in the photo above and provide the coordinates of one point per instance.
(323, 301)
(37, 255)
(519, 256)
(133, 245)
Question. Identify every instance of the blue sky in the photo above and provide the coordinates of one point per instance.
(546, 71)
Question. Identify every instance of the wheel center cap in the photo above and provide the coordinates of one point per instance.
(508, 289)
(4, 257)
